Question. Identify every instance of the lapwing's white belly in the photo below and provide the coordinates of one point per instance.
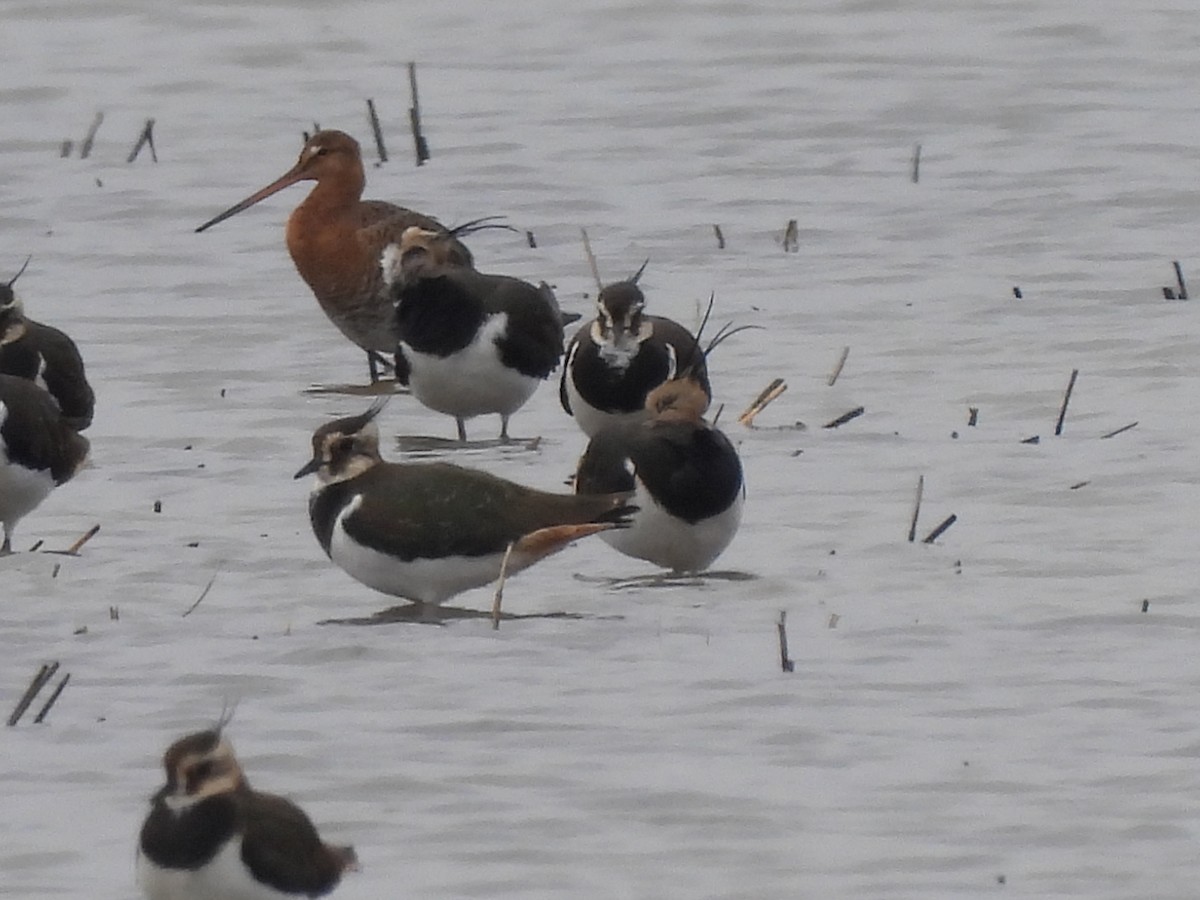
(472, 381)
(421, 580)
(21, 490)
(224, 877)
(661, 538)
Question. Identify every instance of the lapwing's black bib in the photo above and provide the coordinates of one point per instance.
(615, 361)
(38, 451)
(686, 477)
(428, 531)
(209, 836)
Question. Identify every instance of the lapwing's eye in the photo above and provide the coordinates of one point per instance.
(198, 774)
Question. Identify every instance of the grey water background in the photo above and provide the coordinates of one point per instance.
(991, 714)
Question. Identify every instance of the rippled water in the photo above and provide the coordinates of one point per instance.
(993, 712)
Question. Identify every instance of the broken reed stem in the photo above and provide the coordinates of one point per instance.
(86, 149)
(916, 163)
(837, 370)
(785, 662)
(769, 393)
(44, 674)
(1120, 430)
(937, 532)
(376, 130)
(591, 258)
(74, 549)
(146, 137)
(912, 527)
(529, 239)
(1183, 294)
(846, 417)
(791, 236)
(37, 720)
(414, 117)
(1062, 413)
(204, 593)
(499, 595)
(720, 237)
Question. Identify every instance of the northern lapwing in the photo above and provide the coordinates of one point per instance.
(210, 836)
(684, 473)
(470, 344)
(39, 451)
(40, 353)
(614, 361)
(428, 531)
(335, 239)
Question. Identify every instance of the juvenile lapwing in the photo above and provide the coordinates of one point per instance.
(470, 344)
(614, 361)
(428, 531)
(38, 352)
(335, 239)
(684, 473)
(39, 451)
(210, 836)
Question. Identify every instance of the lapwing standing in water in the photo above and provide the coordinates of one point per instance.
(210, 836)
(428, 531)
(471, 344)
(335, 239)
(43, 354)
(685, 476)
(617, 359)
(39, 450)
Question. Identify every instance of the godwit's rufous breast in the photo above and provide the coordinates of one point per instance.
(336, 238)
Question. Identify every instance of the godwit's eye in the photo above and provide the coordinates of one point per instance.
(320, 151)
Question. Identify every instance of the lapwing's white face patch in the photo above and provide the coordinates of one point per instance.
(389, 262)
(346, 456)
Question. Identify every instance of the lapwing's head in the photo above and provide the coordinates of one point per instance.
(327, 156)
(12, 313)
(345, 448)
(199, 766)
(419, 252)
(678, 400)
(619, 323)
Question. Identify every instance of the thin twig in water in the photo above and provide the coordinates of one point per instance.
(44, 674)
(1062, 413)
(529, 239)
(203, 594)
(912, 527)
(376, 130)
(591, 258)
(1120, 430)
(916, 164)
(791, 236)
(720, 237)
(769, 393)
(937, 532)
(74, 549)
(37, 720)
(1183, 294)
(414, 117)
(846, 417)
(86, 148)
(146, 137)
(785, 662)
(499, 595)
(837, 370)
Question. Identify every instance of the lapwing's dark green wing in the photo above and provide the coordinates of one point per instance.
(281, 847)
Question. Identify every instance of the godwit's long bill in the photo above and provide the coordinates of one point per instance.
(336, 239)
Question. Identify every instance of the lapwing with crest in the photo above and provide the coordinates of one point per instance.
(427, 531)
(616, 360)
(210, 836)
(470, 343)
